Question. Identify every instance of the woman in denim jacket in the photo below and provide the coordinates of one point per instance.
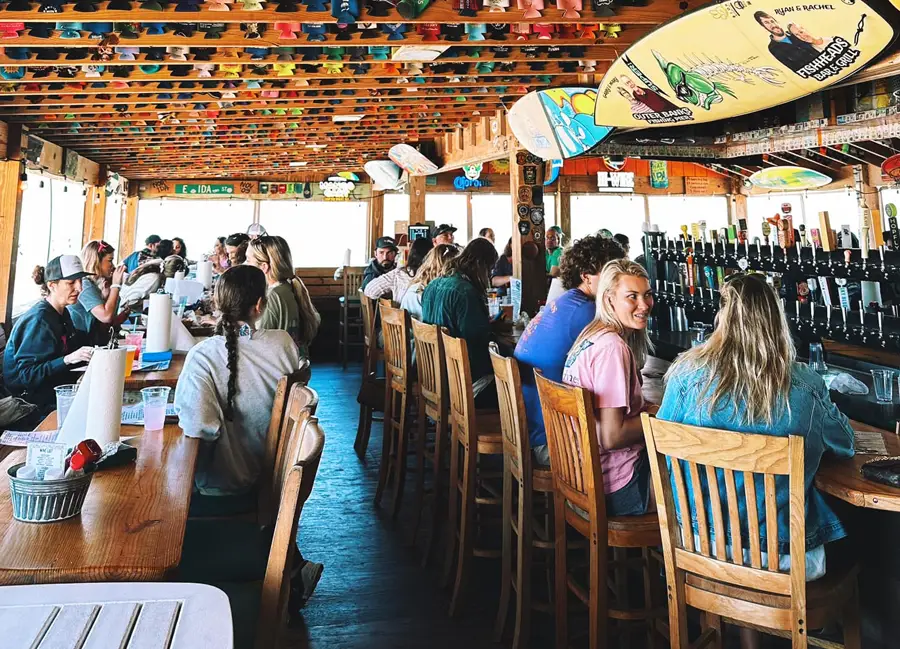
(745, 378)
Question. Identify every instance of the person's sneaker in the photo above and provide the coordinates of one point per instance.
(310, 574)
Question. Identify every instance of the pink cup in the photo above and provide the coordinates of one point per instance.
(135, 339)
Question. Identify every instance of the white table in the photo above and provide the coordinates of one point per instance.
(115, 616)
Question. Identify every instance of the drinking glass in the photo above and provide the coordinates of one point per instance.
(817, 358)
(130, 352)
(493, 306)
(698, 334)
(155, 400)
(884, 385)
(136, 339)
(65, 395)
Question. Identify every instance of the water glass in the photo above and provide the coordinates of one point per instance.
(65, 395)
(883, 381)
(135, 339)
(817, 358)
(155, 401)
(698, 334)
(493, 306)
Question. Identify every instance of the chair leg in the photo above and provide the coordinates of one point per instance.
(714, 622)
(399, 458)
(452, 508)
(597, 603)
(421, 431)
(345, 325)
(466, 528)
(387, 446)
(525, 535)
(561, 591)
(649, 582)
(506, 556)
(437, 507)
(363, 431)
(851, 623)
(620, 573)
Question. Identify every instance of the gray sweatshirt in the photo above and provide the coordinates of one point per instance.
(232, 452)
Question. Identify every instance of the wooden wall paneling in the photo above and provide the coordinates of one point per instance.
(10, 217)
(529, 262)
(128, 229)
(416, 199)
(374, 222)
(564, 207)
(94, 214)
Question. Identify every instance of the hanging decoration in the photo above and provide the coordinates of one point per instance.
(786, 177)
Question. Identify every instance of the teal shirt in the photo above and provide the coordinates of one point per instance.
(456, 303)
(553, 257)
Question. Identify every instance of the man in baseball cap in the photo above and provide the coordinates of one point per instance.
(138, 257)
(442, 233)
(383, 261)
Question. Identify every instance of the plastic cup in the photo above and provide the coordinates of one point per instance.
(65, 395)
(130, 353)
(155, 400)
(817, 358)
(135, 339)
(883, 381)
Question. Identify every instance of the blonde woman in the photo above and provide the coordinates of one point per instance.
(289, 305)
(606, 359)
(432, 267)
(97, 307)
(745, 378)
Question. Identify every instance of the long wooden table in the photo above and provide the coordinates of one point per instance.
(130, 529)
(165, 378)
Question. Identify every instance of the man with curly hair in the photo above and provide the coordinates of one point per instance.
(550, 335)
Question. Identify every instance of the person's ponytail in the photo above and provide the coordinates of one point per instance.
(38, 275)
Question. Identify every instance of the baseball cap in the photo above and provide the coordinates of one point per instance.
(64, 267)
(256, 230)
(386, 242)
(153, 238)
(441, 229)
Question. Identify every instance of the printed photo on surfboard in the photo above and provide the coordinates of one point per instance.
(557, 123)
(411, 160)
(732, 58)
(788, 177)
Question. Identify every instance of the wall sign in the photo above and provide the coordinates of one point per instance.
(615, 181)
(337, 188)
(207, 189)
(696, 186)
(471, 178)
(733, 58)
(659, 174)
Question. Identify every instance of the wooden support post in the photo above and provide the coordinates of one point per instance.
(128, 229)
(564, 208)
(416, 199)
(470, 234)
(869, 200)
(94, 214)
(738, 209)
(529, 261)
(374, 222)
(10, 216)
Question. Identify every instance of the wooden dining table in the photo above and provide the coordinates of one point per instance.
(131, 527)
(165, 378)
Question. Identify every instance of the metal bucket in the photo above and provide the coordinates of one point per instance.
(36, 501)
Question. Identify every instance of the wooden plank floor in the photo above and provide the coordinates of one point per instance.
(374, 592)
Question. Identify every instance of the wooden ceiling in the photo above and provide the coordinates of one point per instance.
(249, 92)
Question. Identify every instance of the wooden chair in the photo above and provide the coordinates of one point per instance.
(476, 436)
(522, 480)
(752, 591)
(350, 318)
(371, 393)
(397, 392)
(578, 482)
(433, 404)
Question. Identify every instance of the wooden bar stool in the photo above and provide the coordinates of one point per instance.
(522, 480)
(432, 405)
(371, 393)
(350, 317)
(702, 571)
(478, 436)
(398, 388)
(578, 482)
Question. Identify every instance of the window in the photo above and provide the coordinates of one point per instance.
(841, 206)
(549, 210)
(396, 208)
(493, 211)
(450, 209)
(52, 224)
(760, 208)
(671, 212)
(618, 214)
(197, 222)
(319, 232)
(112, 219)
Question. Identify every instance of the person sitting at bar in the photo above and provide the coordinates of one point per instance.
(745, 378)
(550, 334)
(288, 304)
(97, 306)
(488, 234)
(138, 257)
(606, 359)
(148, 278)
(236, 248)
(44, 344)
(255, 231)
(553, 243)
(432, 267)
(383, 261)
(395, 283)
(219, 257)
(501, 273)
(458, 300)
(180, 248)
(623, 241)
(442, 233)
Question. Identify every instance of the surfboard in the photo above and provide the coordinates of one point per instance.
(787, 177)
(384, 173)
(409, 159)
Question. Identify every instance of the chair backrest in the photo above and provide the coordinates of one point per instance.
(459, 386)
(516, 446)
(388, 302)
(352, 276)
(431, 368)
(302, 404)
(574, 448)
(395, 329)
(683, 455)
(368, 318)
(298, 474)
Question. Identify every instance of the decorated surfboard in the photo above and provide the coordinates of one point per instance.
(385, 173)
(787, 177)
(409, 159)
(732, 58)
(557, 123)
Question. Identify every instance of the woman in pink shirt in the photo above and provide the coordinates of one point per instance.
(606, 359)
